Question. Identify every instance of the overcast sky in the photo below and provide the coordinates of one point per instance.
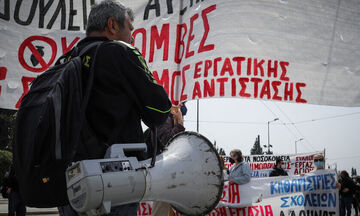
(235, 123)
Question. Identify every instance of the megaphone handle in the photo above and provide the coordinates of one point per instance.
(155, 144)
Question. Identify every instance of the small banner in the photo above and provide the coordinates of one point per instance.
(314, 193)
(295, 164)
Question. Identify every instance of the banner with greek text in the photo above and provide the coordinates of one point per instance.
(292, 51)
(294, 164)
(312, 194)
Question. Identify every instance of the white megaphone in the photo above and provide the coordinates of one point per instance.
(188, 175)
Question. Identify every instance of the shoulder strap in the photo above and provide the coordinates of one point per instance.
(75, 52)
(88, 47)
(92, 72)
(86, 97)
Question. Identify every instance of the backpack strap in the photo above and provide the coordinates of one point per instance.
(75, 52)
(87, 48)
(86, 97)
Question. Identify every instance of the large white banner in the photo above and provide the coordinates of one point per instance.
(312, 194)
(294, 164)
(294, 51)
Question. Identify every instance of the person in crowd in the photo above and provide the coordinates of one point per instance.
(278, 169)
(16, 204)
(356, 196)
(347, 189)
(319, 162)
(225, 170)
(240, 172)
(172, 126)
(124, 92)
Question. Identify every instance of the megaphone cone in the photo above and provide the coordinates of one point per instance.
(188, 175)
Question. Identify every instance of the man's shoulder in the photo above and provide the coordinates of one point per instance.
(273, 172)
(122, 47)
(244, 163)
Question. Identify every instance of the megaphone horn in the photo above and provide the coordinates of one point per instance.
(188, 175)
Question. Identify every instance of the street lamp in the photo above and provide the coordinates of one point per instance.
(296, 145)
(268, 145)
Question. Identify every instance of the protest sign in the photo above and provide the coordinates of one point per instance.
(314, 193)
(300, 52)
(295, 164)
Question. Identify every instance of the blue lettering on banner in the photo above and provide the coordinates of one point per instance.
(333, 180)
(273, 188)
(285, 202)
(262, 175)
(303, 184)
(255, 174)
(309, 200)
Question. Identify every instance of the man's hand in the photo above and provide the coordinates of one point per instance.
(338, 185)
(177, 115)
(345, 190)
(8, 191)
(231, 182)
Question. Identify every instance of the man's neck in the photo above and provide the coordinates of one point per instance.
(99, 34)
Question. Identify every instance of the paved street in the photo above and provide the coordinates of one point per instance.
(45, 211)
(30, 211)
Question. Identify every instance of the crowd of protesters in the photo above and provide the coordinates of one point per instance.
(349, 188)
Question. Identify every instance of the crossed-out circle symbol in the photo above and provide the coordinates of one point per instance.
(28, 43)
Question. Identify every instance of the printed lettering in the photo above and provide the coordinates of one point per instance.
(160, 40)
(6, 14)
(180, 44)
(283, 66)
(190, 37)
(164, 80)
(202, 46)
(155, 6)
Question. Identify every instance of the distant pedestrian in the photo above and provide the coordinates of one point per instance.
(278, 169)
(172, 126)
(225, 169)
(319, 162)
(16, 204)
(346, 193)
(356, 196)
(240, 172)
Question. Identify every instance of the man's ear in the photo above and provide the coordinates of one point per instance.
(111, 25)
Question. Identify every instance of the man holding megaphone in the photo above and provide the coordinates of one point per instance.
(124, 92)
(114, 185)
(172, 126)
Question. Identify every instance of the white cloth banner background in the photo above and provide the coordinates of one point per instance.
(293, 51)
(295, 164)
(312, 194)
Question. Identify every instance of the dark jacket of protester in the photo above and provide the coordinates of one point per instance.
(10, 181)
(165, 132)
(168, 130)
(124, 92)
(16, 204)
(347, 183)
(278, 172)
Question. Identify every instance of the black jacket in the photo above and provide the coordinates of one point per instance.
(278, 172)
(124, 92)
(165, 132)
(10, 180)
(347, 183)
